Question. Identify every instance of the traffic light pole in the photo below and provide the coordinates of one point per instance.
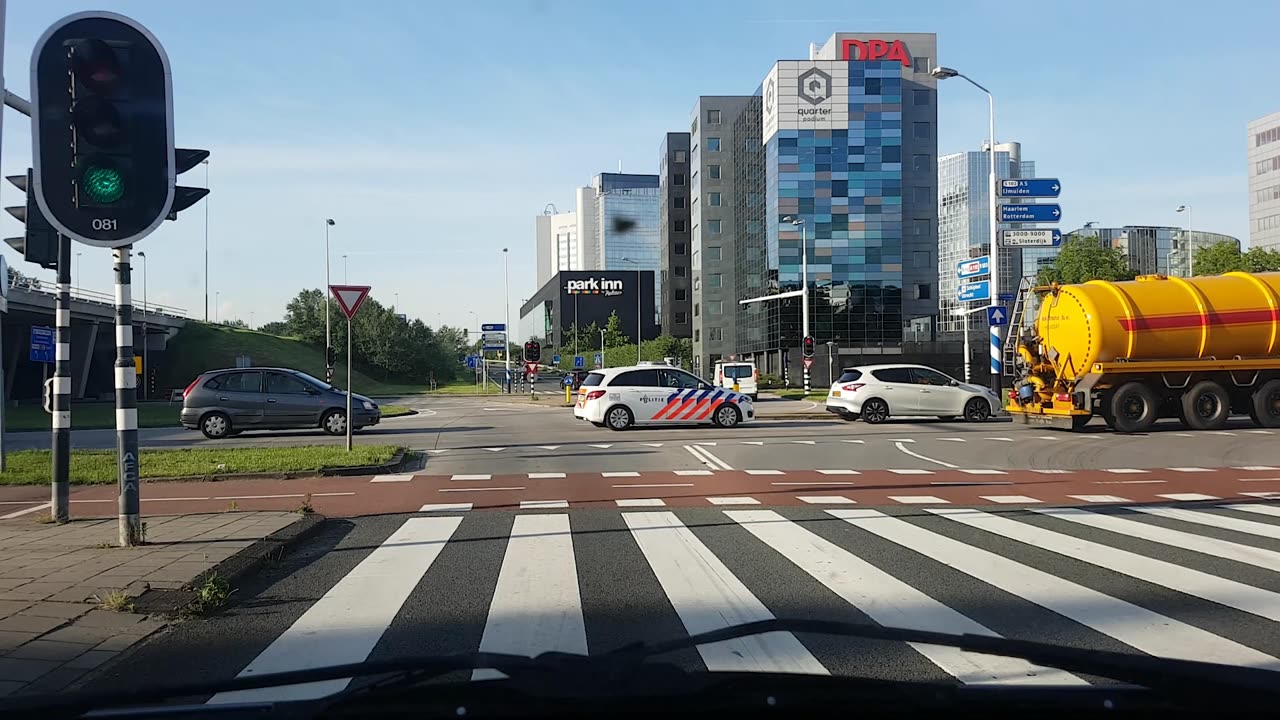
(60, 509)
(130, 520)
(349, 421)
(804, 297)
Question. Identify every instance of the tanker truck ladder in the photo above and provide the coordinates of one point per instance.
(1016, 317)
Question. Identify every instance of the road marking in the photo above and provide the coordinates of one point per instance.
(826, 500)
(751, 442)
(536, 605)
(652, 444)
(901, 440)
(479, 489)
(707, 596)
(657, 485)
(1264, 495)
(711, 444)
(1129, 482)
(438, 452)
(446, 507)
(1131, 624)
(1000, 439)
(495, 449)
(970, 483)
(1260, 432)
(833, 483)
(1258, 479)
(839, 472)
(1010, 499)
(1221, 432)
(620, 473)
(919, 500)
(1100, 498)
(733, 501)
(1189, 469)
(259, 497)
(953, 440)
(332, 494)
(1049, 437)
(805, 442)
(107, 500)
(545, 475)
(855, 442)
(705, 457)
(892, 602)
(1256, 468)
(1125, 471)
(1184, 434)
(159, 499)
(543, 504)
(344, 625)
(402, 477)
(27, 511)
(602, 447)
(640, 502)
(765, 472)
(984, 471)
(926, 458)
(1248, 527)
(910, 471)
(471, 477)
(1257, 509)
(1054, 472)
(1188, 497)
(549, 447)
(1247, 554)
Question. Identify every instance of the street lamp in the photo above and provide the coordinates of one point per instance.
(324, 297)
(601, 349)
(205, 163)
(639, 312)
(1190, 222)
(506, 332)
(943, 73)
(344, 269)
(830, 375)
(146, 339)
(804, 284)
(217, 299)
(79, 281)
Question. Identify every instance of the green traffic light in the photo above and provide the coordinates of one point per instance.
(103, 184)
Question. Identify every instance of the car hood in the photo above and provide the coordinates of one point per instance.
(355, 397)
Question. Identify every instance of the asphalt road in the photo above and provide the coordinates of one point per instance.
(1195, 582)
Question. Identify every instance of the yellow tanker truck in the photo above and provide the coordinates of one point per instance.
(1198, 349)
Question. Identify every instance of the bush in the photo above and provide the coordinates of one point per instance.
(769, 380)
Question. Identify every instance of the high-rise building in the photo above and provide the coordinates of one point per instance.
(627, 225)
(713, 226)
(964, 229)
(1264, 182)
(673, 187)
(847, 161)
(557, 245)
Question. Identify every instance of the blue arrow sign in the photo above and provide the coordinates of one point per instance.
(599, 359)
(41, 344)
(973, 267)
(997, 315)
(974, 291)
(1030, 187)
(1047, 213)
(579, 362)
(493, 327)
(555, 359)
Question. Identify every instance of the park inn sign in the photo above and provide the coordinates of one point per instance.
(594, 286)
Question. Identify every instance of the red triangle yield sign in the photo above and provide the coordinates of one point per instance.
(350, 297)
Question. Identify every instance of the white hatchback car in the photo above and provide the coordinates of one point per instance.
(657, 395)
(876, 392)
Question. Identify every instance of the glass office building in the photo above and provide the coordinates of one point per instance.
(1149, 249)
(628, 224)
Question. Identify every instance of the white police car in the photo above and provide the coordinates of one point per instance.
(657, 394)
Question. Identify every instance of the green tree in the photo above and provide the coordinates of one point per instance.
(613, 335)
(304, 316)
(237, 323)
(275, 327)
(1261, 260)
(1082, 258)
(1218, 258)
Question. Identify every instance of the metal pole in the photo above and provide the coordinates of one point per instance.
(130, 521)
(996, 359)
(349, 423)
(506, 332)
(3, 395)
(967, 354)
(1191, 220)
(830, 371)
(804, 285)
(146, 339)
(602, 363)
(206, 240)
(62, 387)
(328, 337)
(639, 319)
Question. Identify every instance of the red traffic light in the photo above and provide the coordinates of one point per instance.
(808, 346)
(95, 65)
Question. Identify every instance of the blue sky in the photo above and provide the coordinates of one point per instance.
(433, 134)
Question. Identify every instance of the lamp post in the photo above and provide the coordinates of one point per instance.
(639, 311)
(943, 73)
(78, 279)
(324, 297)
(1190, 221)
(205, 163)
(830, 370)
(217, 298)
(146, 339)
(344, 269)
(601, 349)
(506, 333)
(804, 284)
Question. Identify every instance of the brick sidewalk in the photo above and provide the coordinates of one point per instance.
(53, 577)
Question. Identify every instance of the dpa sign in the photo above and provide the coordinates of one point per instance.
(876, 50)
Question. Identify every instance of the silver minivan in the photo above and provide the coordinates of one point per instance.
(222, 403)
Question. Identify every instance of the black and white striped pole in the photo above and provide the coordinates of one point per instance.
(130, 517)
(61, 395)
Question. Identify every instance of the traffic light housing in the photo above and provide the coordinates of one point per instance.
(102, 129)
(184, 197)
(808, 346)
(532, 351)
(39, 242)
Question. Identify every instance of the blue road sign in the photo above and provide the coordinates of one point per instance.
(997, 315)
(493, 327)
(599, 360)
(973, 267)
(974, 291)
(1030, 187)
(579, 362)
(41, 344)
(1046, 213)
(555, 359)
(1049, 237)
(1005, 297)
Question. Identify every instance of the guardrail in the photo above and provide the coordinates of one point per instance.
(45, 287)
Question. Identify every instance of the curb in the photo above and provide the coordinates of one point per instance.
(270, 548)
(397, 462)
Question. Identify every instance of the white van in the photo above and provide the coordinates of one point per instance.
(741, 371)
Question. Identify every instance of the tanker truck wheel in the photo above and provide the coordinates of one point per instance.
(1206, 406)
(1134, 407)
(1264, 405)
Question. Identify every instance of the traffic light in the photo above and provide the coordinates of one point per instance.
(330, 356)
(808, 346)
(102, 129)
(39, 243)
(184, 197)
(532, 351)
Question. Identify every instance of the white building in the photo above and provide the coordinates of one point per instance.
(1264, 182)
(558, 247)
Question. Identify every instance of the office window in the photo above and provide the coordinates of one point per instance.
(697, 309)
(713, 144)
(714, 334)
(715, 307)
(921, 195)
(715, 280)
(713, 199)
(680, 248)
(920, 130)
(697, 334)
(713, 227)
(682, 318)
(920, 259)
(922, 163)
(713, 171)
(680, 156)
(921, 64)
(890, 154)
(678, 179)
(919, 97)
(678, 225)
(921, 227)
(924, 291)
(677, 202)
(682, 295)
(713, 252)
(680, 271)
(713, 117)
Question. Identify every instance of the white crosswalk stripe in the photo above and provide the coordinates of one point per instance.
(536, 594)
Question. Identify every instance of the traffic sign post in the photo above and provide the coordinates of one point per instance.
(808, 363)
(350, 298)
(579, 362)
(1045, 213)
(973, 267)
(997, 316)
(555, 359)
(1051, 237)
(599, 360)
(1030, 187)
(974, 291)
(41, 344)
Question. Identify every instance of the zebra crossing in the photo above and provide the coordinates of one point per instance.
(1195, 583)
